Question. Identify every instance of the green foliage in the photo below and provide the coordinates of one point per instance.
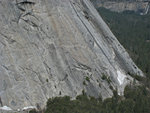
(133, 32)
(46, 80)
(137, 77)
(137, 100)
(140, 96)
(87, 79)
(55, 105)
(111, 87)
(104, 77)
(84, 83)
(33, 111)
(83, 92)
(108, 80)
(144, 80)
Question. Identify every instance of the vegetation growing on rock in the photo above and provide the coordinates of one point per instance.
(135, 100)
(132, 30)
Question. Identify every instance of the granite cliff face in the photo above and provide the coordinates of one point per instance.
(54, 48)
(139, 6)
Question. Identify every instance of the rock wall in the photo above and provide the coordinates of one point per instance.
(52, 48)
(140, 6)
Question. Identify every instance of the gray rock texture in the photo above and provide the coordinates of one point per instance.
(139, 6)
(52, 48)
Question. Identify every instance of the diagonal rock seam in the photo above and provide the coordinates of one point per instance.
(56, 47)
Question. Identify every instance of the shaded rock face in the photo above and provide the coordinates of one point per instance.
(139, 6)
(54, 48)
